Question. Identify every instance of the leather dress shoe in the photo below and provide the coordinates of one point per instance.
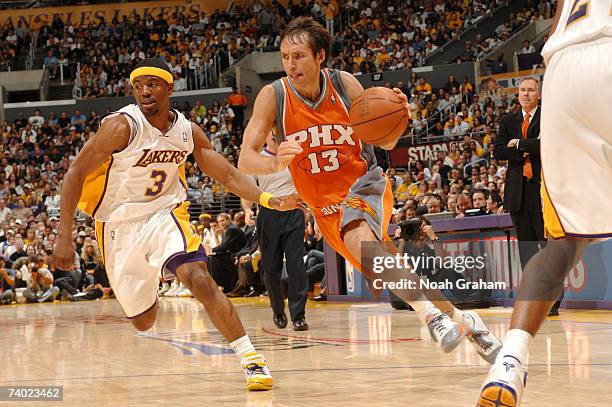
(320, 297)
(300, 325)
(252, 293)
(280, 320)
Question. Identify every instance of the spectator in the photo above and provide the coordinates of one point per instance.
(238, 103)
(180, 83)
(36, 120)
(527, 48)
(4, 211)
(221, 260)
(52, 64)
(21, 212)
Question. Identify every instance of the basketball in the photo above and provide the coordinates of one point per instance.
(378, 116)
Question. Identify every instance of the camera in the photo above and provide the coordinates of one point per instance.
(410, 228)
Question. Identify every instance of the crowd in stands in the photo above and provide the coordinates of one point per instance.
(11, 39)
(369, 36)
(37, 150)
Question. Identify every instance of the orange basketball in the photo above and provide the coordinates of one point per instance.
(378, 116)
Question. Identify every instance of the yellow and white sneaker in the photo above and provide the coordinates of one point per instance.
(257, 372)
(505, 384)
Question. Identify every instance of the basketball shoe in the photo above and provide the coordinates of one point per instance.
(505, 383)
(486, 344)
(257, 372)
(445, 331)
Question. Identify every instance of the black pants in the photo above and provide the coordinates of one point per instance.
(529, 224)
(222, 269)
(281, 233)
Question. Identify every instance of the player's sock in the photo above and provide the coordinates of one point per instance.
(424, 308)
(243, 347)
(516, 344)
(458, 317)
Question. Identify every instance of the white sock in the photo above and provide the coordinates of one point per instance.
(424, 308)
(516, 344)
(242, 346)
(466, 323)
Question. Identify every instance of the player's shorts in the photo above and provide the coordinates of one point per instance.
(371, 199)
(576, 142)
(136, 253)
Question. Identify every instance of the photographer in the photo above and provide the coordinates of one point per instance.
(415, 237)
(40, 283)
(7, 284)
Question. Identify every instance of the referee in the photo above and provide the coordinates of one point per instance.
(281, 234)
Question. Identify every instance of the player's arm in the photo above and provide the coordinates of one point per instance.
(501, 151)
(113, 135)
(354, 88)
(215, 165)
(258, 128)
(553, 28)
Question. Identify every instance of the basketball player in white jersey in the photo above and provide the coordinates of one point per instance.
(576, 153)
(130, 177)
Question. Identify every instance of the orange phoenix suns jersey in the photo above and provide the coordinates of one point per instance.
(333, 158)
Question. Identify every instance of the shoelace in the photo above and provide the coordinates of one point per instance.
(437, 324)
(254, 368)
(477, 337)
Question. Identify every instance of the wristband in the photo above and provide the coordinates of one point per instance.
(264, 199)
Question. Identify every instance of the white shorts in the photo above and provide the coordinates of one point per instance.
(137, 253)
(576, 142)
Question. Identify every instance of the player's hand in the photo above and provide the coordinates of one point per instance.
(287, 202)
(63, 254)
(404, 99)
(287, 150)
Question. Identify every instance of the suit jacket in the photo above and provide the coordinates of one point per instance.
(233, 240)
(510, 128)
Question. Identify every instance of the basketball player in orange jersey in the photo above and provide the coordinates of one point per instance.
(336, 174)
(576, 155)
(131, 178)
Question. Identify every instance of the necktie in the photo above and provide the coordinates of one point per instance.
(527, 171)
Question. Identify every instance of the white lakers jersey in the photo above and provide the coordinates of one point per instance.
(149, 174)
(581, 21)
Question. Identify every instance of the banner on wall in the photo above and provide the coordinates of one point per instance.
(34, 18)
(400, 157)
(510, 81)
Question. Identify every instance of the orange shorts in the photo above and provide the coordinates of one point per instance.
(375, 209)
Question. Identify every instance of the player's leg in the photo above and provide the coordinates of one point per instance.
(442, 329)
(541, 285)
(146, 320)
(223, 315)
(366, 214)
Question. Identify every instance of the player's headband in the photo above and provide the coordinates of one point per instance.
(153, 71)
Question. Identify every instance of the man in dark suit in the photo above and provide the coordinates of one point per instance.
(518, 142)
(221, 262)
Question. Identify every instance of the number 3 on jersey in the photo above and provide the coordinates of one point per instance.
(159, 177)
(331, 157)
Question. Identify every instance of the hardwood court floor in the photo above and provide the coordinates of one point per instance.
(354, 355)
